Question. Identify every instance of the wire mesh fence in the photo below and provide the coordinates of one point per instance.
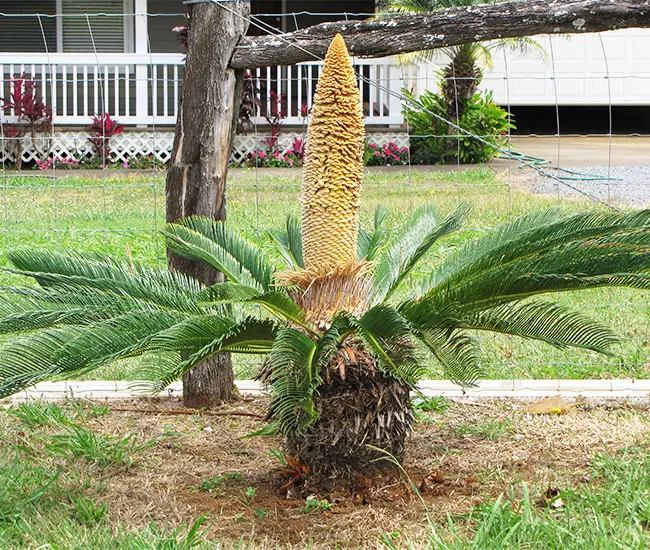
(116, 210)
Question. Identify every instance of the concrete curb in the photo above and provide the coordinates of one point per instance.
(485, 389)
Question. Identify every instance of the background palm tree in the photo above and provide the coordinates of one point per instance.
(461, 77)
(345, 338)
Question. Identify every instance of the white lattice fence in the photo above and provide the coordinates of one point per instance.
(76, 145)
(125, 146)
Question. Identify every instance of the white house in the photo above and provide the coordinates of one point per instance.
(120, 56)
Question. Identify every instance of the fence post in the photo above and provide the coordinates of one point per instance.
(394, 101)
(141, 69)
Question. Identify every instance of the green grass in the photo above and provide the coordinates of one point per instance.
(120, 215)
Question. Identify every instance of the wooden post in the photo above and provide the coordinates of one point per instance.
(141, 70)
(196, 178)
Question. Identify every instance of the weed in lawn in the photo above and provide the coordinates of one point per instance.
(39, 414)
(88, 409)
(436, 404)
(260, 513)
(492, 430)
(87, 511)
(24, 485)
(249, 495)
(613, 513)
(278, 455)
(314, 504)
(102, 450)
(214, 485)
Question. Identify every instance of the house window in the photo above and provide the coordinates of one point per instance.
(20, 28)
(164, 15)
(96, 33)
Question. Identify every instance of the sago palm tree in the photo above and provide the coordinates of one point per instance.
(460, 78)
(345, 338)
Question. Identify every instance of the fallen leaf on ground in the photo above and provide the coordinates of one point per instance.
(551, 405)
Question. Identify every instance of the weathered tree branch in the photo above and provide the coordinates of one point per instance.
(408, 33)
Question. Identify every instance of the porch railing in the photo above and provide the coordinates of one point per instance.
(136, 89)
(144, 89)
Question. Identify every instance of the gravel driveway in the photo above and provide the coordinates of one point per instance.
(628, 184)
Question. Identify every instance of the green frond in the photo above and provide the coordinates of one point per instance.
(277, 303)
(192, 334)
(289, 241)
(74, 350)
(390, 337)
(249, 336)
(227, 293)
(457, 352)
(24, 309)
(293, 378)
(72, 270)
(208, 240)
(371, 242)
(543, 253)
(522, 45)
(413, 241)
(329, 342)
(280, 305)
(548, 322)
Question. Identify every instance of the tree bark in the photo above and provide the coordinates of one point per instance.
(196, 179)
(394, 35)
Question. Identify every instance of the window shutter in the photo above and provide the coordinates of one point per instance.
(24, 34)
(107, 30)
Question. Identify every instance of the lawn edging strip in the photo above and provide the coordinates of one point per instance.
(485, 389)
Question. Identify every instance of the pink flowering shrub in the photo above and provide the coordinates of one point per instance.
(51, 163)
(389, 154)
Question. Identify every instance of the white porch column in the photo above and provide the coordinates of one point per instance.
(141, 71)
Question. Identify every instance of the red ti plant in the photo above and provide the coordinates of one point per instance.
(275, 115)
(102, 129)
(31, 112)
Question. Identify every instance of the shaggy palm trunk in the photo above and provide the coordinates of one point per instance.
(360, 408)
(460, 80)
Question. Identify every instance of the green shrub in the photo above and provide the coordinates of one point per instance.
(482, 117)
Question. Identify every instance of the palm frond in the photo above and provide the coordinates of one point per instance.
(24, 309)
(390, 337)
(278, 303)
(414, 240)
(371, 242)
(249, 336)
(545, 321)
(208, 240)
(289, 241)
(543, 253)
(192, 334)
(457, 352)
(328, 344)
(522, 45)
(72, 270)
(75, 350)
(293, 379)
(227, 293)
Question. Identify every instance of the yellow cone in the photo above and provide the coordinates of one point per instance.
(333, 166)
